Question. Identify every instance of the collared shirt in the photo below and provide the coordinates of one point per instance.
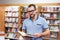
(37, 26)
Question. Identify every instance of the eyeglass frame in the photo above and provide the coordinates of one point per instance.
(31, 11)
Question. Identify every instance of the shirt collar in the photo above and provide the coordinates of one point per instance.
(36, 18)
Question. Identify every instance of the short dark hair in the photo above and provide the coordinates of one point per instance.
(32, 5)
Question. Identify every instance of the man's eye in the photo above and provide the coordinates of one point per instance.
(31, 11)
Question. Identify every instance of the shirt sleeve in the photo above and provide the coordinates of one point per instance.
(45, 25)
(24, 26)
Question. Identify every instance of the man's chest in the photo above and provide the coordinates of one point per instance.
(34, 24)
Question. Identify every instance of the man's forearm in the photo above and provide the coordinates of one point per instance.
(46, 32)
(23, 31)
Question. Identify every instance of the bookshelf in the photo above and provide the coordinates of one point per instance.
(52, 15)
(24, 13)
(11, 21)
(3, 11)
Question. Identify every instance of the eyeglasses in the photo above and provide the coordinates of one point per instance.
(31, 11)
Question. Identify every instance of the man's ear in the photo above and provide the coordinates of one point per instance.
(35, 11)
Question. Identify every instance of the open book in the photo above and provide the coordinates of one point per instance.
(25, 34)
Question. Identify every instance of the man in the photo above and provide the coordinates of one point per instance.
(35, 25)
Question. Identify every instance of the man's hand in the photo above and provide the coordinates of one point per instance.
(36, 35)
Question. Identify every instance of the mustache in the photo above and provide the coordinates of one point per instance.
(32, 14)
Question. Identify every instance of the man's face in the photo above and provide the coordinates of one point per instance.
(31, 11)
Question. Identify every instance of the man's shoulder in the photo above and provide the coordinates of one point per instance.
(41, 18)
(25, 20)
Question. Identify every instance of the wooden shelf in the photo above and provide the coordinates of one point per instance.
(12, 32)
(53, 31)
(53, 37)
(50, 12)
(53, 25)
(52, 18)
(11, 17)
(2, 34)
(11, 11)
(8, 38)
(11, 22)
(10, 27)
(45, 38)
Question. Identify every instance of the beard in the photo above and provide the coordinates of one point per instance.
(32, 15)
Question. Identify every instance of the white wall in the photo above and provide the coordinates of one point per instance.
(27, 1)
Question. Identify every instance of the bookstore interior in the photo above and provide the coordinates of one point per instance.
(13, 15)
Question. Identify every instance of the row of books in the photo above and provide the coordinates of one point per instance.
(54, 36)
(11, 19)
(11, 30)
(13, 14)
(11, 25)
(54, 28)
(50, 15)
(10, 35)
(12, 8)
(50, 8)
(53, 22)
